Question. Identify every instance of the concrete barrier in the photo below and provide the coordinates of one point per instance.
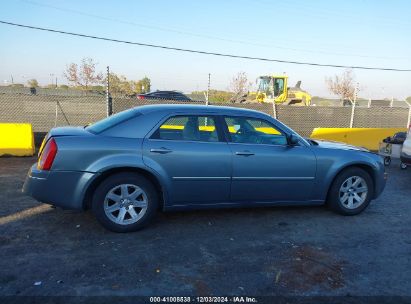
(16, 139)
(361, 137)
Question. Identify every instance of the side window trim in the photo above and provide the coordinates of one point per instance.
(221, 137)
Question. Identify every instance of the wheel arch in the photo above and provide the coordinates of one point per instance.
(155, 180)
(366, 167)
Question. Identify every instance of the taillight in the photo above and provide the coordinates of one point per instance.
(140, 97)
(47, 156)
(42, 145)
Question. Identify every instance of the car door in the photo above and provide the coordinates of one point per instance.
(265, 167)
(190, 151)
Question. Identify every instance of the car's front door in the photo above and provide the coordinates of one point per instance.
(192, 155)
(265, 167)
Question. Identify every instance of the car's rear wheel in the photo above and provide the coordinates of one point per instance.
(351, 191)
(125, 202)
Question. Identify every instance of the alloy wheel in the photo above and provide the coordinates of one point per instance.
(125, 204)
(353, 192)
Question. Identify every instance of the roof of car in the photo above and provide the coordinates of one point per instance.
(195, 108)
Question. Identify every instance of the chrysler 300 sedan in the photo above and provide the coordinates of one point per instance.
(130, 165)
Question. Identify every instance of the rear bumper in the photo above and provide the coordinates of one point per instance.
(64, 189)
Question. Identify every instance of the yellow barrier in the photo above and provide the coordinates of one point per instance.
(361, 137)
(16, 139)
(212, 128)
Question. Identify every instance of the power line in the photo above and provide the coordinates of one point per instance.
(203, 52)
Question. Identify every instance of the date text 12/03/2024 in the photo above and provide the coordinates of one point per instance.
(235, 299)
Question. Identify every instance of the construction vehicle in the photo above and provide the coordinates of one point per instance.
(274, 89)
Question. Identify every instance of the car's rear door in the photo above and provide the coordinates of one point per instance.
(265, 167)
(192, 154)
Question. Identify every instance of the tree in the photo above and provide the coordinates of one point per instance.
(33, 83)
(143, 85)
(119, 84)
(83, 75)
(342, 85)
(240, 86)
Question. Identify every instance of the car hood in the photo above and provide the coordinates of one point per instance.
(337, 145)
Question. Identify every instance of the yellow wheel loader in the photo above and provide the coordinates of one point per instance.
(275, 89)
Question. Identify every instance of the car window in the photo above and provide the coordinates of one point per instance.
(174, 96)
(158, 95)
(111, 121)
(254, 131)
(180, 96)
(189, 128)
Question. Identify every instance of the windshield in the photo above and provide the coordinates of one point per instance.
(272, 87)
(111, 121)
(265, 85)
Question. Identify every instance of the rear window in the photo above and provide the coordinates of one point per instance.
(111, 121)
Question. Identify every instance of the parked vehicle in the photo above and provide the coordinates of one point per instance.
(170, 157)
(166, 95)
(275, 89)
(406, 151)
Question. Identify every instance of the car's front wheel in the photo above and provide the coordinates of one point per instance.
(351, 191)
(125, 202)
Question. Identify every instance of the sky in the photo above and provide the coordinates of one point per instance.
(352, 32)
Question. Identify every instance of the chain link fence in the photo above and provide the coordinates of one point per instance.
(48, 108)
(305, 119)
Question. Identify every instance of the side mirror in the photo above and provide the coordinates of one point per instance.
(293, 140)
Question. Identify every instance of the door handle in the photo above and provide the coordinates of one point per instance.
(161, 150)
(244, 153)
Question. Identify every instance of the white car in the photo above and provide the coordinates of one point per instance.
(406, 151)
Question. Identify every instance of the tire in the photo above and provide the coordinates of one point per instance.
(115, 207)
(387, 160)
(403, 166)
(339, 194)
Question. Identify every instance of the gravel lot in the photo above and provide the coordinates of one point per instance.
(264, 251)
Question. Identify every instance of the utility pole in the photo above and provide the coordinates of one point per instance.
(56, 82)
(12, 80)
(108, 97)
(356, 92)
(353, 105)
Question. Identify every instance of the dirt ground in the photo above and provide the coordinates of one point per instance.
(263, 251)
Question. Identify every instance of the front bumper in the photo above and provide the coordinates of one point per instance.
(380, 179)
(65, 189)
